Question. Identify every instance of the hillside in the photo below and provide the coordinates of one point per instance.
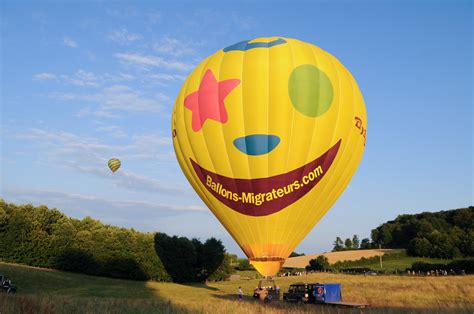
(52, 291)
(333, 257)
(445, 234)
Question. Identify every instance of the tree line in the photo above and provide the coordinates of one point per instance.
(39, 236)
(353, 244)
(445, 234)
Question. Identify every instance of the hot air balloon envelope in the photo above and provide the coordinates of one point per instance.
(114, 164)
(269, 133)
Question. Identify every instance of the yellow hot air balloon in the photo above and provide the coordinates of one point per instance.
(114, 164)
(269, 133)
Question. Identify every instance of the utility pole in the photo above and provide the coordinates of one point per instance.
(380, 248)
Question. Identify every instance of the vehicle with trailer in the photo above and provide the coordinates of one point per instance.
(316, 293)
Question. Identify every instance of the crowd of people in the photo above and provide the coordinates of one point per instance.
(435, 272)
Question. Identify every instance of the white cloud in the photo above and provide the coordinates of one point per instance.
(104, 114)
(44, 76)
(174, 47)
(90, 155)
(163, 78)
(119, 77)
(124, 98)
(146, 62)
(123, 36)
(129, 213)
(128, 179)
(83, 78)
(115, 98)
(112, 130)
(69, 42)
(63, 96)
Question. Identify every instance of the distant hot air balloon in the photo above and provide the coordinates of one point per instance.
(269, 133)
(114, 164)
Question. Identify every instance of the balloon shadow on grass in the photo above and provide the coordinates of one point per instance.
(189, 262)
(80, 261)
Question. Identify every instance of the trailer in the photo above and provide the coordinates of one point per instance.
(316, 293)
(331, 294)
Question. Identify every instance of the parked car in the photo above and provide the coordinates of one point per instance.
(300, 292)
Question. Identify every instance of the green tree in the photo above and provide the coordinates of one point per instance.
(338, 245)
(179, 257)
(348, 244)
(319, 263)
(365, 244)
(211, 257)
(419, 247)
(294, 254)
(244, 264)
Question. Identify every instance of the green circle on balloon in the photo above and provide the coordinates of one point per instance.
(310, 90)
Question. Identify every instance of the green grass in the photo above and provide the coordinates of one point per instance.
(403, 263)
(391, 262)
(50, 291)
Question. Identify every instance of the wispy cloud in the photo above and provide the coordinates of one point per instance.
(123, 36)
(83, 78)
(113, 130)
(45, 76)
(129, 213)
(173, 46)
(63, 96)
(164, 78)
(89, 155)
(121, 97)
(130, 180)
(116, 98)
(70, 42)
(148, 61)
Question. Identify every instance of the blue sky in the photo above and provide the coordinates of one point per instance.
(85, 81)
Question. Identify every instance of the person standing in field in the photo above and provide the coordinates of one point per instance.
(240, 294)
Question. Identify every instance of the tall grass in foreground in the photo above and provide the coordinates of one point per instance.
(50, 291)
(31, 304)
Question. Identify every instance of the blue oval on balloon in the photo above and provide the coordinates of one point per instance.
(246, 45)
(257, 144)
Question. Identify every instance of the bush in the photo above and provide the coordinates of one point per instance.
(224, 271)
(244, 264)
(457, 265)
(318, 263)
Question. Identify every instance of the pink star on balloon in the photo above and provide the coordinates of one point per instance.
(208, 101)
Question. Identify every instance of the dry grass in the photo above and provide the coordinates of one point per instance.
(59, 292)
(334, 257)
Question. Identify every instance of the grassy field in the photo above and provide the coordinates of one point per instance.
(399, 263)
(392, 259)
(333, 257)
(48, 291)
